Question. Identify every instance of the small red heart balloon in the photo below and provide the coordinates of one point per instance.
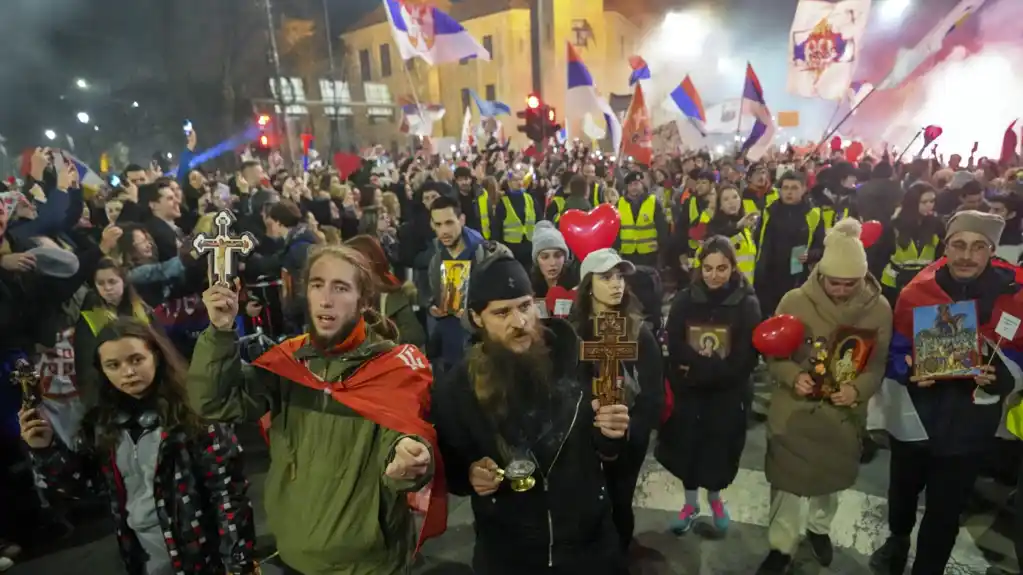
(870, 232)
(553, 295)
(779, 336)
(836, 144)
(931, 133)
(587, 232)
(854, 151)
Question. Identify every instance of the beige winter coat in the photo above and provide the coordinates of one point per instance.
(813, 447)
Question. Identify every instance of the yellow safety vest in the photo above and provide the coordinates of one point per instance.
(813, 219)
(596, 194)
(560, 202)
(666, 195)
(638, 236)
(514, 229)
(750, 206)
(831, 216)
(908, 259)
(696, 215)
(1014, 421)
(98, 318)
(483, 203)
(745, 253)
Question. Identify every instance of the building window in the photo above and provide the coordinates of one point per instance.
(488, 45)
(465, 98)
(378, 94)
(335, 94)
(385, 60)
(364, 66)
(293, 95)
(491, 92)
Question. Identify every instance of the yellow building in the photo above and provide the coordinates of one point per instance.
(599, 29)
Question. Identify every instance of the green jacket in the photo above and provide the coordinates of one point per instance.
(397, 307)
(328, 503)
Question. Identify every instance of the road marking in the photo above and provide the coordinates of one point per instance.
(860, 523)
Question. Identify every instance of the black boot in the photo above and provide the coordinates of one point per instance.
(822, 548)
(891, 558)
(776, 563)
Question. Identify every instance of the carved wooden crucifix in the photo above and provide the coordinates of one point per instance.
(224, 246)
(607, 351)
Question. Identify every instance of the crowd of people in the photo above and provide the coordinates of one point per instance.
(404, 348)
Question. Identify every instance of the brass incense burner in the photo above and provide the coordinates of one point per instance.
(519, 474)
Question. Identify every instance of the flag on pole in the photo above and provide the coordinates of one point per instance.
(823, 47)
(489, 108)
(858, 91)
(582, 97)
(422, 30)
(685, 100)
(638, 135)
(418, 120)
(753, 103)
(640, 70)
(907, 61)
(467, 138)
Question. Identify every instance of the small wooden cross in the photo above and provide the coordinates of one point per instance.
(608, 350)
(223, 246)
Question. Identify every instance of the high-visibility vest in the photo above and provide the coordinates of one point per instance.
(483, 204)
(750, 205)
(908, 258)
(638, 235)
(831, 216)
(560, 202)
(98, 318)
(1014, 421)
(813, 219)
(696, 216)
(514, 229)
(745, 253)
(596, 195)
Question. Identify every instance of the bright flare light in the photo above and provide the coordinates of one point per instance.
(82, 84)
(950, 99)
(893, 10)
(83, 117)
(50, 135)
(683, 33)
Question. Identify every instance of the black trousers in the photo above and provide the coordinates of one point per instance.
(622, 475)
(948, 482)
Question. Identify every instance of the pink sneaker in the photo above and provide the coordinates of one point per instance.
(721, 518)
(685, 520)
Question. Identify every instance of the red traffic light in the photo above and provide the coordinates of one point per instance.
(263, 120)
(551, 115)
(264, 141)
(532, 102)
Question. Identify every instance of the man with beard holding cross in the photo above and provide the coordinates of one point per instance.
(520, 431)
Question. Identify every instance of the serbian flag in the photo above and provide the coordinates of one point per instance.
(892, 405)
(640, 70)
(753, 104)
(422, 30)
(637, 140)
(582, 98)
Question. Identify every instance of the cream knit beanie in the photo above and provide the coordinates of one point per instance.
(844, 256)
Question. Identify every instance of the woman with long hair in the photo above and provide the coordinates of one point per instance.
(731, 221)
(603, 290)
(553, 264)
(111, 296)
(910, 242)
(396, 298)
(178, 494)
(710, 359)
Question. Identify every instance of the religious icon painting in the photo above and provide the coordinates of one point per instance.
(709, 339)
(454, 283)
(850, 351)
(946, 341)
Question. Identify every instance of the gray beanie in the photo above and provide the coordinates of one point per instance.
(988, 225)
(547, 237)
(960, 179)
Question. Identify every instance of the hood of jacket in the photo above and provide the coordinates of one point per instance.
(472, 240)
(739, 286)
(844, 313)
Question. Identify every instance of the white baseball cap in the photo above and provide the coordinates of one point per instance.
(603, 261)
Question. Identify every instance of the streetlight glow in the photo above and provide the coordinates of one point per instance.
(82, 84)
(134, 104)
(50, 135)
(95, 128)
(83, 117)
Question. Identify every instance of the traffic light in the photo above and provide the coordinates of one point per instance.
(263, 140)
(263, 120)
(536, 119)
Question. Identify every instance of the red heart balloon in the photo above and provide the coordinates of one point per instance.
(779, 336)
(870, 232)
(854, 151)
(587, 232)
(836, 144)
(931, 133)
(554, 294)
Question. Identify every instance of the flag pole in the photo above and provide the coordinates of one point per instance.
(738, 125)
(910, 144)
(412, 89)
(838, 106)
(845, 118)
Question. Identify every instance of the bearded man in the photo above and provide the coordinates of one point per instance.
(349, 443)
(521, 434)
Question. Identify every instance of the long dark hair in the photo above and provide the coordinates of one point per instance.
(129, 254)
(581, 316)
(369, 246)
(168, 386)
(130, 300)
(716, 245)
(909, 223)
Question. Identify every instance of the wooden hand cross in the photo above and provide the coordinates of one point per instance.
(224, 246)
(607, 351)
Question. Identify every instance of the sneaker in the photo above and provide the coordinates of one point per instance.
(821, 546)
(776, 563)
(685, 519)
(721, 518)
(6, 563)
(892, 557)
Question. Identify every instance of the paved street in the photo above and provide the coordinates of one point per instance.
(858, 528)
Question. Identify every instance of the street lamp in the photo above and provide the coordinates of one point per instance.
(134, 104)
(50, 135)
(95, 128)
(83, 117)
(82, 84)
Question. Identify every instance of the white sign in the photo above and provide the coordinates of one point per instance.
(541, 309)
(1007, 326)
(562, 307)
